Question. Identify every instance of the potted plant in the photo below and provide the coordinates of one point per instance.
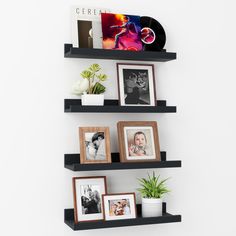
(152, 190)
(91, 88)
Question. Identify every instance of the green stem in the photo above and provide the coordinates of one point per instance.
(94, 88)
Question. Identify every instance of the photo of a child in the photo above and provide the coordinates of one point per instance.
(139, 143)
(139, 146)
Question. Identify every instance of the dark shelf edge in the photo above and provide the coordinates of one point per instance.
(72, 162)
(93, 109)
(112, 106)
(166, 218)
(105, 54)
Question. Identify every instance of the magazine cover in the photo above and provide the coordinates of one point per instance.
(121, 32)
(86, 27)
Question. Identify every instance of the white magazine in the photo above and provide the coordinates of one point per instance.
(87, 27)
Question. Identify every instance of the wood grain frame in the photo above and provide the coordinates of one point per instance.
(118, 194)
(75, 196)
(82, 131)
(119, 80)
(121, 138)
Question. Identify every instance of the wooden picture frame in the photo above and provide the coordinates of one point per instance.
(119, 206)
(94, 145)
(136, 84)
(138, 141)
(87, 195)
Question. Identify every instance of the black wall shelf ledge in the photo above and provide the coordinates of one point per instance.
(72, 162)
(92, 53)
(112, 106)
(165, 218)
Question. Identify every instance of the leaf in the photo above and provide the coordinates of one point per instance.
(94, 68)
(86, 74)
(102, 77)
(98, 88)
(152, 187)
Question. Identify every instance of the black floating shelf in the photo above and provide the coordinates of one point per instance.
(165, 218)
(72, 162)
(92, 53)
(112, 106)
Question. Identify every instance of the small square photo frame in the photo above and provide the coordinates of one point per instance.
(136, 83)
(87, 193)
(119, 206)
(94, 145)
(138, 141)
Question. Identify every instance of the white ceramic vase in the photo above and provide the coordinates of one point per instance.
(151, 207)
(92, 99)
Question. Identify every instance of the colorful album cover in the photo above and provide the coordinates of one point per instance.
(86, 26)
(121, 32)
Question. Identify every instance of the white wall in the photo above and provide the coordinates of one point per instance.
(35, 132)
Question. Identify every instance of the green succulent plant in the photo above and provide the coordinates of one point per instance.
(95, 79)
(152, 187)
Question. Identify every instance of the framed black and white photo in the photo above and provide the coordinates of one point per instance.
(138, 141)
(94, 145)
(136, 84)
(88, 204)
(119, 206)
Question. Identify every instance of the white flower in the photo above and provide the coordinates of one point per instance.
(80, 87)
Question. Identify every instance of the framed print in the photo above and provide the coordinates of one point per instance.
(136, 84)
(119, 206)
(88, 205)
(94, 145)
(138, 141)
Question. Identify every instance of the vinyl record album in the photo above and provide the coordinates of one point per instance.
(152, 34)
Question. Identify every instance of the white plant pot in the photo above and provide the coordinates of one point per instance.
(151, 207)
(92, 99)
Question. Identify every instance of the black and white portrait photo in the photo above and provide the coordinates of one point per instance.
(90, 199)
(136, 85)
(94, 145)
(88, 202)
